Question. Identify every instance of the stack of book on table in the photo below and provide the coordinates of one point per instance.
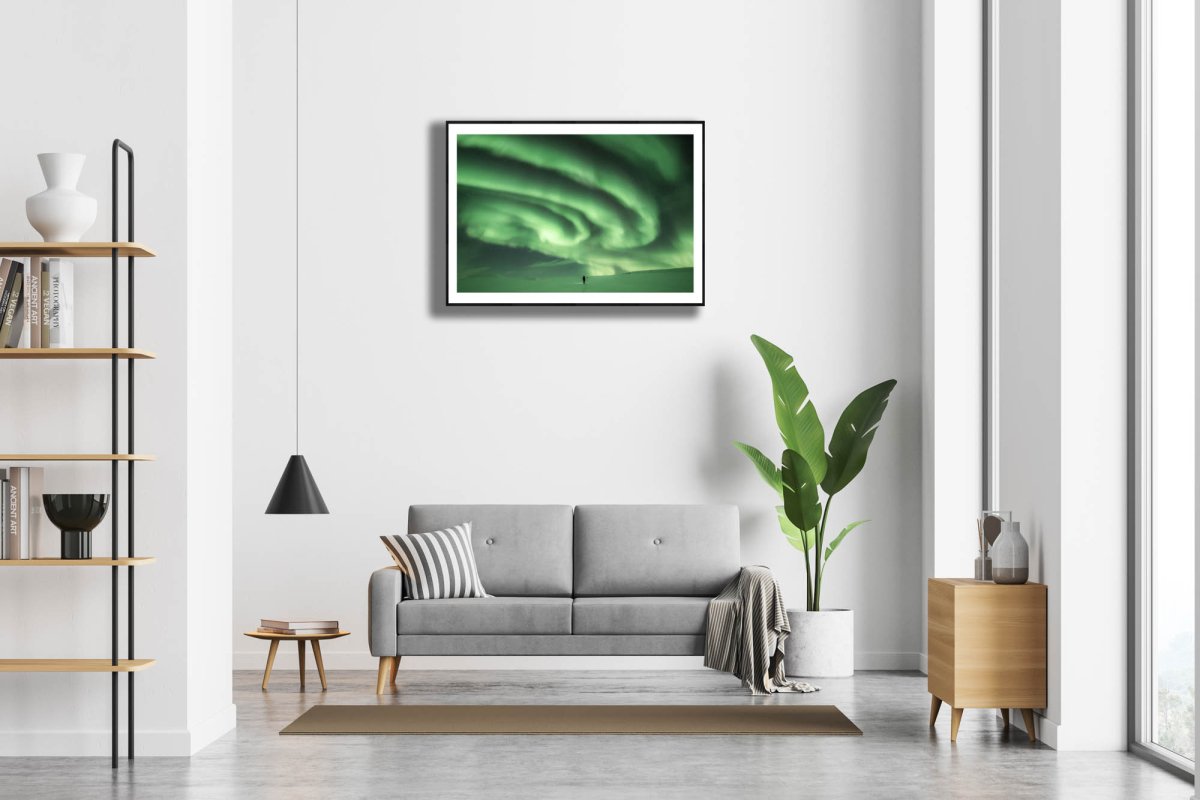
(37, 303)
(298, 627)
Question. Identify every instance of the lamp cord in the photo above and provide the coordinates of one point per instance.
(297, 227)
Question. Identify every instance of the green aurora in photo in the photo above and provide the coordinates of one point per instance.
(538, 212)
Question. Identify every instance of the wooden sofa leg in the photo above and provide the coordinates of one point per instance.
(387, 665)
(395, 669)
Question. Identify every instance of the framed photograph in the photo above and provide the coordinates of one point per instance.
(575, 213)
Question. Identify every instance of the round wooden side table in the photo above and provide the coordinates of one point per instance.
(299, 639)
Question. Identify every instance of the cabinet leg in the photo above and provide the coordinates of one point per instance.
(270, 662)
(955, 719)
(385, 669)
(935, 705)
(1027, 715)
(316, 645)
(300, 650)
(395, 669)
(1004, 714)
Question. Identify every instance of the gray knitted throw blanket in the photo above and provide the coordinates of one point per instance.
(747, 628)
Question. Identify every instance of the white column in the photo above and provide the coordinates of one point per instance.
(210, 285)
(952, 286)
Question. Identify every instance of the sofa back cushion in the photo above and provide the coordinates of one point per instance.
(520, 551)
(654, 550)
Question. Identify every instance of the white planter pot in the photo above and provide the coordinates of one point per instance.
(821, 644)
(61, 213)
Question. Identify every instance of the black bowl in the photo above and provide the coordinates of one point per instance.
(75, 512)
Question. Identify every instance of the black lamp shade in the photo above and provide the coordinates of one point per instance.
(297, 492)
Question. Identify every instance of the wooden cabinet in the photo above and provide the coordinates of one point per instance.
(987, 648)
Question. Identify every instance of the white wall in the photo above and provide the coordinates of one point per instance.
(99, 75)
(1062, 347)
(1029, 479)
(813, 239)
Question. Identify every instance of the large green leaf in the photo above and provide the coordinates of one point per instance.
(853, 435)
(798, 422)
(766, 467)
(801, 502)
(801, 540)
(838, 539)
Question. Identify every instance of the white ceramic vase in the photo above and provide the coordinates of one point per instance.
(1010, 555)
(61, 213)
(821, 644)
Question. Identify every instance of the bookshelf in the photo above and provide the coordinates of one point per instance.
(117, 356)
(75, 249)
(74, 353)
(128, 561)
(13, 458)
(75, 665)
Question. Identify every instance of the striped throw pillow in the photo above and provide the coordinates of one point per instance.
(437, 565)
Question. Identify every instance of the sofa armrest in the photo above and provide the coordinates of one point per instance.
(383, 593)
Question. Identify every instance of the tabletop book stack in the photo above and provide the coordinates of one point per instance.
(298, 627)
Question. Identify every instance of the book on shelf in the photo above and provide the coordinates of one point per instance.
(11, 298)
(7, 276)
(31, 328)
(5, 487)
(44, 281)
(61, 322)
(24, 515)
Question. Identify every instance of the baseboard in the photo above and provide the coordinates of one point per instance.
(212, 728)
(170, 743)
(887, 661)
(361, 659)
(923, 664)
(150, 743)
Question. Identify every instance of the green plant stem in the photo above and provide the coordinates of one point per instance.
(820, 566)
(808, 581)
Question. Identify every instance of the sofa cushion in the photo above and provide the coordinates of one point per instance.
(639, 615)
(519, 550)
(437, 564)
(491, 615)
(654, 550)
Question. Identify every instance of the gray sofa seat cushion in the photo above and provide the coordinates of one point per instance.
(655, 550)
(505, 616)
(519, 550)
(451, 645)
(639, 615)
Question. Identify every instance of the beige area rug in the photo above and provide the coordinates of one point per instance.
(679, 720)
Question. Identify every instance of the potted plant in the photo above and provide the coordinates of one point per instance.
(822, 640)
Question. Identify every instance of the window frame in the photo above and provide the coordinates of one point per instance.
(1140, 433)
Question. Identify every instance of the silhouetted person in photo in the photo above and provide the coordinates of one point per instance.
(585, 280)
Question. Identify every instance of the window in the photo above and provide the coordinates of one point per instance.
(1163, 103)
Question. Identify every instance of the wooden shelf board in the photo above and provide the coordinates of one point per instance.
(74, 249)
(125, 561)
(10, 458)
(74, 664)
(53, 353)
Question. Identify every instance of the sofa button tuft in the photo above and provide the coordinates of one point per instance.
(658, 541)
(489, 541)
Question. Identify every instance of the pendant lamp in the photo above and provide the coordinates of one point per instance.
(297, 491)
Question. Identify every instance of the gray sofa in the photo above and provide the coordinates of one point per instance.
(588, 580)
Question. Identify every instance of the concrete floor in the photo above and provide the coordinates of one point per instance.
(897, 757)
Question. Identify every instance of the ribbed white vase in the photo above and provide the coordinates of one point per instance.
(61, 213)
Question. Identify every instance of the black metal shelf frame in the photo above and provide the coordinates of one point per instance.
(117, 147)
